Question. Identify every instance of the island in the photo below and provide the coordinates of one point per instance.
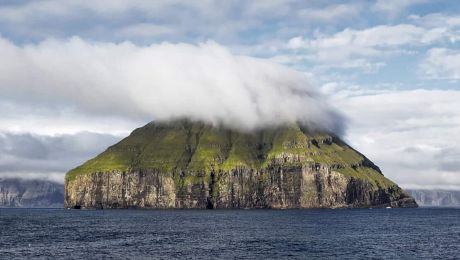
(196, 165)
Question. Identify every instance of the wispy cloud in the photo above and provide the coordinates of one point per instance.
(332, 13)
(441, 63)
(394, 7)
(357, 48)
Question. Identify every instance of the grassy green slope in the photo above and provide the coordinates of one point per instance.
(192, 146)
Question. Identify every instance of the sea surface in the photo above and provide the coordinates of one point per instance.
(423, 233)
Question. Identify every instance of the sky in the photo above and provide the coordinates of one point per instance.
(77, 76)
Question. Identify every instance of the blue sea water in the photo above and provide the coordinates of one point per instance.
(243, 234)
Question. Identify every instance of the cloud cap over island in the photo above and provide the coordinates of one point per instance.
(163, 81)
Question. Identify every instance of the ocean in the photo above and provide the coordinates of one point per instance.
(423, 233)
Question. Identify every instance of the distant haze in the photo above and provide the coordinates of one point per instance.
(163, 81)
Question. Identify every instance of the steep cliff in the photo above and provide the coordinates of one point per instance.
(436, 198)
(183, 164)
(30, 193)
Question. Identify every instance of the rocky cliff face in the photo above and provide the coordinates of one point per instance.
(193, 165)
(436, 198)
(30, 193)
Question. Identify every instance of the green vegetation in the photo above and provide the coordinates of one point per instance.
(373, 177)
(183, 145)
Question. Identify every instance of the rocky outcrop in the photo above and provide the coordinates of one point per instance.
(240, 188)
(187, 164)
(30, 193)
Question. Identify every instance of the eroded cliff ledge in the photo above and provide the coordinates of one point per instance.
(185, 164)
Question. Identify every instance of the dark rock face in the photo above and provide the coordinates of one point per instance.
(185, 164)
(30, 193)
(241, 188)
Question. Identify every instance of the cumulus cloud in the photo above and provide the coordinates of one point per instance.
(161, 81)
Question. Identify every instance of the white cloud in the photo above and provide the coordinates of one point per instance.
(394, 7)
(436, 20)
(441, 63)
(374, 37)
(365, 48)
(412, 135)
(331, 13)
(439, 26)
(163, 81)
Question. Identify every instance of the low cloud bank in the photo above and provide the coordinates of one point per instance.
(161, 82)
(31, 156)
